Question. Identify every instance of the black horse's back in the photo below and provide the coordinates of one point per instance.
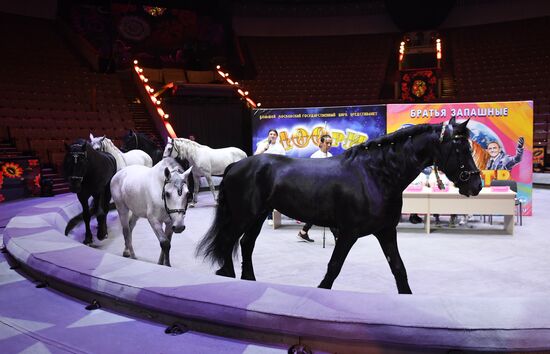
(136, 140)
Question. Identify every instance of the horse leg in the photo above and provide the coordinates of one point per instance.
(196, 182)
(341, 251)
(164, 257)
(388, 241)
(159, 232)
(247, 247)
(211, 185)
(335, 233)
(227, 269)
(86, 217)
(126, 217)
(101, 216)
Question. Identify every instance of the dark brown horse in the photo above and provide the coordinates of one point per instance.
(358, 193)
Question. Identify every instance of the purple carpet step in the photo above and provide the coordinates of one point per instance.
(341, 321)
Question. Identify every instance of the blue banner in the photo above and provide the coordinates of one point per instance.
(301, 128)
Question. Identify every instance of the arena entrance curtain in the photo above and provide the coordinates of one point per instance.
(418, 85)
(301, 128)
(506, 127)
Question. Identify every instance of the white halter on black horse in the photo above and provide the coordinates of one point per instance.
(123, 159)
(206, 161)
(158, 193)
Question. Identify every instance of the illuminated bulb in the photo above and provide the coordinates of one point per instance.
(246, 93)
(146, 80)
(218, 67)
(135, 62)
(236, 83)
(166, 116)
(140, 70)
(402, 43)
(226, 74)
(259, 104)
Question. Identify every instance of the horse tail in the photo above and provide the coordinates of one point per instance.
(72, 223)
(219, 240)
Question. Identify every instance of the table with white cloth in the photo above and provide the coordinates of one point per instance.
(487, 202)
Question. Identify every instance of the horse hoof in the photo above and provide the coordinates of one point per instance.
(88, 242)
(101, 238)
(126, 254)
(248, 277)
(223, 273)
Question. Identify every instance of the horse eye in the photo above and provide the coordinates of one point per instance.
(167, 195)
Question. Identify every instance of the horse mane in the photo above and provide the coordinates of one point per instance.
(385, 154)
(190, 145)
(110, 143)
(384, 141)
(144, 139)
(172, 164)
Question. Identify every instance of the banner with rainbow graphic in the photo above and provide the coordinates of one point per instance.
(501, 135)
(301, 128)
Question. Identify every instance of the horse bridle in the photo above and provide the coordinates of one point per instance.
(171, 149)
(75, 156)
(464, 174)
(168, 210)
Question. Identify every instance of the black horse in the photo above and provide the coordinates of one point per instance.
(135, 140)
(89, 173)
(357, 193)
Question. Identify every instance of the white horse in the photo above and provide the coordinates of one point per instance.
(206, 161)
(158, 194)
(123, 159)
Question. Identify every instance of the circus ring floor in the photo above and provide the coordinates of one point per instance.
(473, 291)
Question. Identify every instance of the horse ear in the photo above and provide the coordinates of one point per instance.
(84, 145)
(67, 147)
(452, 121)
(463, 125)
(167, 173)
(103, 137)
(91, 136)
(186, 173)
(168, 140)
(131, 132)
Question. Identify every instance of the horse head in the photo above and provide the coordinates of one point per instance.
(75, 164)
(97, 142)
(455, 158)
(170, 150)
(130, 141)
(174, 195)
